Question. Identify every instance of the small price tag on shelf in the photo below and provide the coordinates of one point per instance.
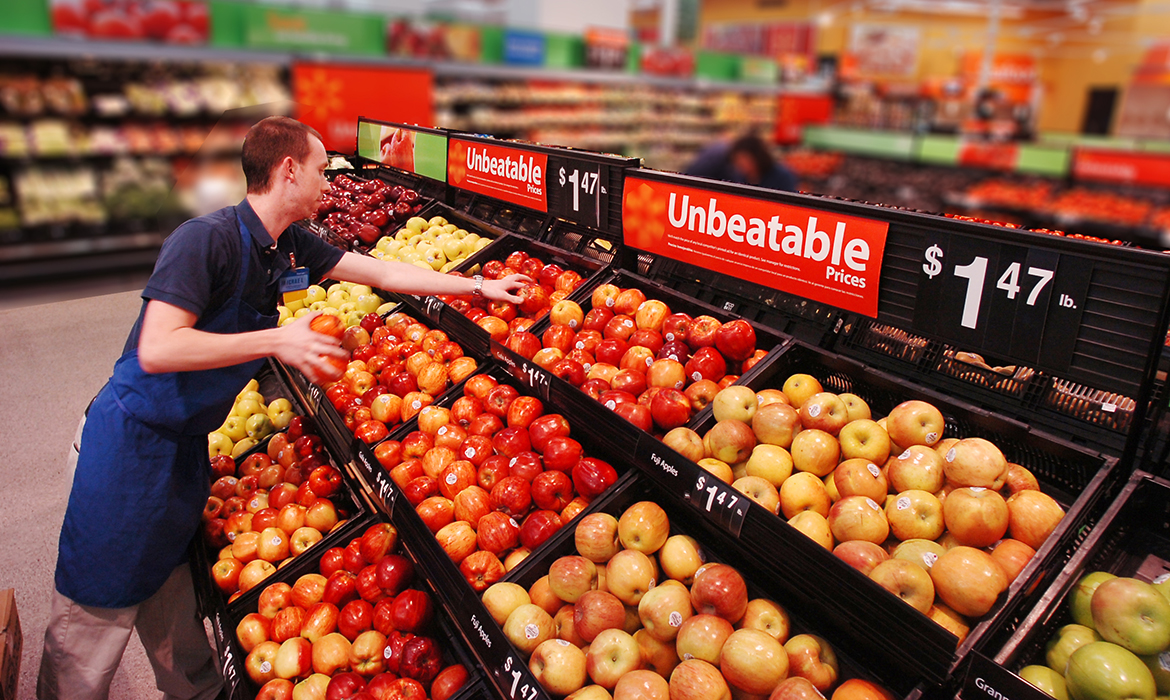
(723, 504)
(383, 488)
(577, 190)
(522, 686)
(986, 678)
(433, 308)
(528, 374)
(227, 656)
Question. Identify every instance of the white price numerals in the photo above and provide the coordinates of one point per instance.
(525, 692)
(715, 495)
(385, 489)
(580, 181)
(975, 273)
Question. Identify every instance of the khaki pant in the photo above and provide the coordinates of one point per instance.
(84, 645)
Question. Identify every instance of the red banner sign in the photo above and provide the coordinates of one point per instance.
(996, 156)
(505, 173)
(1122, 166)
(819, 255)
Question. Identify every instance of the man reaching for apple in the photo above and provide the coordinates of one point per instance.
(208, 320)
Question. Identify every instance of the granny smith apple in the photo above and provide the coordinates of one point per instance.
(435, 257)
(356, 290)
(319, 305)
(1082, 595)
(452, 247)
(219, 444)
(482, 243)
(1067, 640)
(247, 406)
(404, 234)
(383, 243)
(1159, 666)
(353, 318)
(1105, 671)
(1132, 614)
(300, 312)
(347, 307)
(1046, 680)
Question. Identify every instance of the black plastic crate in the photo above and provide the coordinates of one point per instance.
(855, 656)
(1077, 478)
(1094, 418)
(807, 320)
(467, 613)
(239, 686)
(1132, 538)
(583, 240)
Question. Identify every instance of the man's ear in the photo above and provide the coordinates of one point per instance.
(288, 168)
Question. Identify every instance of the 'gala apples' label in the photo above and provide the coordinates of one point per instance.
(873, 469)
(276, 541)
(469, 452)
(510, 174)
(816, 254)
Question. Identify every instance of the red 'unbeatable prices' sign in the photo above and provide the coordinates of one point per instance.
(509, 174)
(819, 255)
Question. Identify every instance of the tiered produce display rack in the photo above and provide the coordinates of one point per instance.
(1078, 327)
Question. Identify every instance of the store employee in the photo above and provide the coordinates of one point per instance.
(208, 321)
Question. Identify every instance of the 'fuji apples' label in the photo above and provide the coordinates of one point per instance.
(675, 619)
(531, 631)
(814, 410)
(903, 503)
(951, 455)
(873, 469)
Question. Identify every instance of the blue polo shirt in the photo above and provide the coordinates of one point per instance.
(199, 264)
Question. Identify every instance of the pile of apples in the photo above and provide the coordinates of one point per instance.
(397, 368)
(550, 286)
(433, 244)
(1116, 645)
(354, 630)
(365, 210)
(945, 524)
(250, 421)
(272, 508)
(652, 367)
(348, 301)
(493, 477)
(600, 618)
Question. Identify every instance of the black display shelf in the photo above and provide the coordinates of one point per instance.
(1078, 478)
(1132, 539)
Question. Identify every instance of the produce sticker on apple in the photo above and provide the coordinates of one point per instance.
(509, 174)
(819, 255)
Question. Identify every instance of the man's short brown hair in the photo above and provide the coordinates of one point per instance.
(267, 143)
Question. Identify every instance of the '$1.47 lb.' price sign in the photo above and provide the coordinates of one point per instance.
(577, 191)
(1011, 301)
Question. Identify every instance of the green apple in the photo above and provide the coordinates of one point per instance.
(405, 234)
(1132, 614)
(250, 394)
(259, 426)
(347, 307)
(283, 313)
(353, 318)
(383, 244)
(356, 290)
(367, 303)
(1159, 666)
(337, 298)
(459, 233)
(1046, 680)
(1082, 595)
(1105, 671)
(1067, 640)
(280, 413)
(315, 292)
(235, 427)
(416, 224)
(219, 444)
(248, 406)
(320, 305)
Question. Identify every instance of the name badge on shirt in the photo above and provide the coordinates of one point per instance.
(294, 284)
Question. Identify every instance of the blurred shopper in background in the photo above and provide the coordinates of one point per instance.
(747, 160)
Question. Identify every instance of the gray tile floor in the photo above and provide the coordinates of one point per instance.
(53, 358)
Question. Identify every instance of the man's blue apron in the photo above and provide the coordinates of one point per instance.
(143, 473)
